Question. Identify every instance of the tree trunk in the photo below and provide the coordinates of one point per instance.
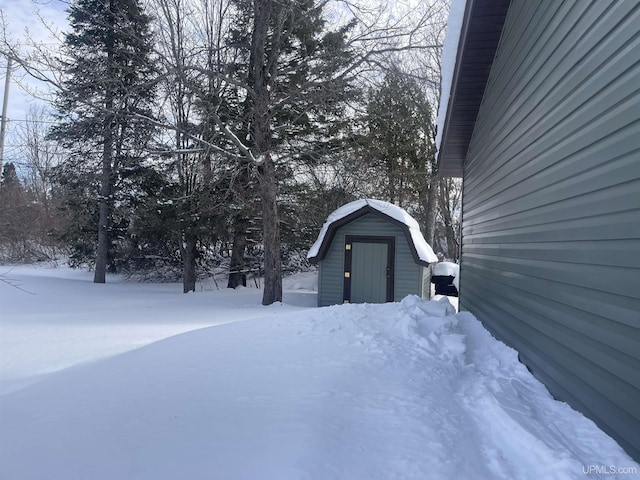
(237, 275)
(106, 177)
(431, 208)
(392, 180)
(189, 253)
(104, 204)
(450, 234)
(102, 251)
(262, 69)
(271, 233)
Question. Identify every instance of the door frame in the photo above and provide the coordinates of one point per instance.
(349, 240)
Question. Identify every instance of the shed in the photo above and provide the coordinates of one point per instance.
(543, 124)
(371, 251)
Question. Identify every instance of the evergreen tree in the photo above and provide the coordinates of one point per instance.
(104, 103)
(11, 214)
(295, 89)
(399, 140)
(10, 183)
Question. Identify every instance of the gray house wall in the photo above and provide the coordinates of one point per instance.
(551, 215)
(408, 276)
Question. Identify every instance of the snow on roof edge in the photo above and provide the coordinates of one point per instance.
(423, 249)
(448, 63)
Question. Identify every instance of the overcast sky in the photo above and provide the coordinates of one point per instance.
(21, 16)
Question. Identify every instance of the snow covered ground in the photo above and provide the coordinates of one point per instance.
(125, 381)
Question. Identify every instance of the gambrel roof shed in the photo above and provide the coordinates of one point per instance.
(371, 251)
(422, 252)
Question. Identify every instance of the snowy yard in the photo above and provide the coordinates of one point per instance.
(138, 381)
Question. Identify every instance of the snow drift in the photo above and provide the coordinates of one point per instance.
(406, 390)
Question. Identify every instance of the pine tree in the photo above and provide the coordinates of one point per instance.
(105, 100)
(294, 91)
(399, 140)
(9, 179)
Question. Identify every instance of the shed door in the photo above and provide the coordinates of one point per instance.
(369, 269)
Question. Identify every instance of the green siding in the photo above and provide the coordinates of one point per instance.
(408, 274)
(551, 229)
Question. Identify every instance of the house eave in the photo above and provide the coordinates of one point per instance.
(479, 38)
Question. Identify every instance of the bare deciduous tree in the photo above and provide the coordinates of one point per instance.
(40, 154)
(450, 204)
(257, 83)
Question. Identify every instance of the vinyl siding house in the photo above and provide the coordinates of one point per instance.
(543, 124)
(370, 251)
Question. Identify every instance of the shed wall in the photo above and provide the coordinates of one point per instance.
(551, 217)
(408, 277)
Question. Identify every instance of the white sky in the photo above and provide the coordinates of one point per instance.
(20, 17)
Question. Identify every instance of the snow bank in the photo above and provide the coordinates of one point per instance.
(406, 390)
(61, 319)
(425, 253)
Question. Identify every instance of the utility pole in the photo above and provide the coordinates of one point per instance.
(3, 125)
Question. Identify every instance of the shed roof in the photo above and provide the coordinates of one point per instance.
(479, 35)
(422, 252)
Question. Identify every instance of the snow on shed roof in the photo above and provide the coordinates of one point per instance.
(422, 251)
